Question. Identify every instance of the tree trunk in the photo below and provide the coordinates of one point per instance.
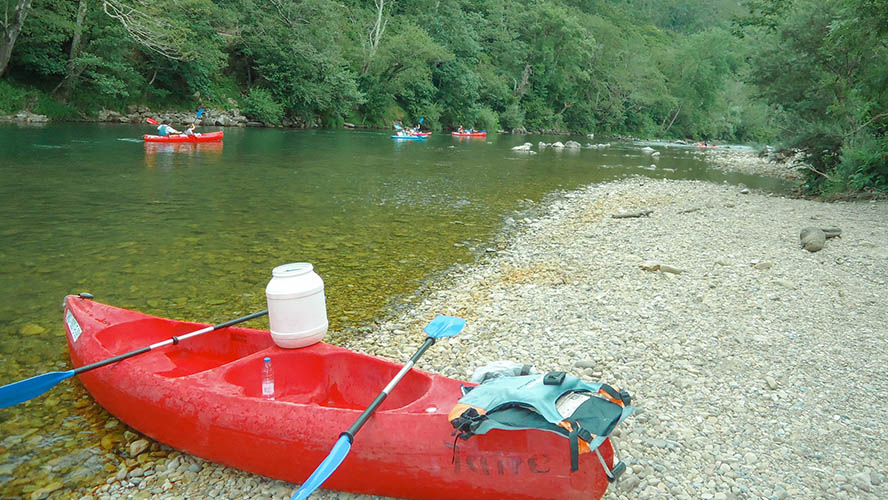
(673, 118)
(525, 78)
(375, 35)
(72, 71)
(11, 30)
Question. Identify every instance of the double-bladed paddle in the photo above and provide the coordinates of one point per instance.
(23, 390)
(440, 327)
(152, 121)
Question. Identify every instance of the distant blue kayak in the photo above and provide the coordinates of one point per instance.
(409, 137)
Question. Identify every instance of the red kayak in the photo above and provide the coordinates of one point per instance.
(205, 137)
(203, 396)
(482, 133)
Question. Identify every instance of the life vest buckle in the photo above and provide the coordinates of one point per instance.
(466, 423)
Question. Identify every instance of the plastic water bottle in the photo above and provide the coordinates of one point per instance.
(267, 379)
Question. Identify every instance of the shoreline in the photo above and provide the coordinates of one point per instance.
(752, 364)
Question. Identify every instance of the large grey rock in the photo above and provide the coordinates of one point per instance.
(812, 239)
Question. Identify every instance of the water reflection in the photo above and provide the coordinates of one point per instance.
(155, 152)
(183, 147)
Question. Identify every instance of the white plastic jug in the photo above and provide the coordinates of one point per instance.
(297, 309)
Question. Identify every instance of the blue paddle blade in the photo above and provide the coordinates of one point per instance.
(330, 464)
(24, 390)
(199, 112)
(444, 326)
(420, 120)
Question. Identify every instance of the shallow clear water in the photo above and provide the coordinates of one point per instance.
(193, 231)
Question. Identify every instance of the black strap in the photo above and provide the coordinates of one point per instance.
(453, 458)
(465, 424)
(619, 396)
(574, 448)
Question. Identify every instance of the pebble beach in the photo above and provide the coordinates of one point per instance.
(757, 368)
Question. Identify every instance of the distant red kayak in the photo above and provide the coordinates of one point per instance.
(482, 133)
(205, 137)
(203, 396)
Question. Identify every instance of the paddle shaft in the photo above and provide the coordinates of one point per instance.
(429, 342)
(172, 340)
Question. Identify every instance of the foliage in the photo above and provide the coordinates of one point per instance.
(12, 97)
(513, 117)
(826, 68)
(296, 52)
(259, 105)
(487, 120)
(862, 165)
(54, 109)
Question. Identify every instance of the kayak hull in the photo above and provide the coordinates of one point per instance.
(203, 396)
(472, 134)
(417, 137)
(204, 137)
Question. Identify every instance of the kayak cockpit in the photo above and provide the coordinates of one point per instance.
(194, 355)
(332, 379)
(230, 360)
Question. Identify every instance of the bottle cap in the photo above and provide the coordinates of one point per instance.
(267, 359)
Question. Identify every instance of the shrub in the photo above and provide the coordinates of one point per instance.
(12, 99)
(259, 105)
(512, 117)
(54, 109)
(487, 119)
(863, 165)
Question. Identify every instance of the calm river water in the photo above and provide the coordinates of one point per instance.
(192, 232)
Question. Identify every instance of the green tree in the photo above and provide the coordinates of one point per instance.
(824, 66)
(697, 71)
(403, 71)
(295, 50)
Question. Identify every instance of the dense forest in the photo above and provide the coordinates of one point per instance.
(809, 75)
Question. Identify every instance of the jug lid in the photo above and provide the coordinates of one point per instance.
(292, 269)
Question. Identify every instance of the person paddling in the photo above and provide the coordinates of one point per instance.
(190, 129)
(164, 130)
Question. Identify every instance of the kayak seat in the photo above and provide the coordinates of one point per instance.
(194, 355)
(311, 376)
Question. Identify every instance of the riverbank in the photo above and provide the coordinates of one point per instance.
(753, 363)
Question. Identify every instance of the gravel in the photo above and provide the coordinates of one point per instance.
(757, 367)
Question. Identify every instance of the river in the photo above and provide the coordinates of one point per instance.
(192, 232)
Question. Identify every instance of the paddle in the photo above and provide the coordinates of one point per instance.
(23, 390)
(441, 326)
(152, 121)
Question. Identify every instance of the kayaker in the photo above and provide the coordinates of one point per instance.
(164, 130)
(190, 129)
(461, 130)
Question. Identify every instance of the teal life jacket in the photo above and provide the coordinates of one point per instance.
(584, 413)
